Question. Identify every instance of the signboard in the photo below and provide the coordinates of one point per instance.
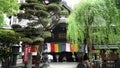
(27, 50)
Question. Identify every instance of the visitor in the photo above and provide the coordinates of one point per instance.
(57, 58)
(50, 58)
(64, 59)
(45, 60)
(86, 61)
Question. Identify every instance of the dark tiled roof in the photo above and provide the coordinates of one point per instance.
(64, 4)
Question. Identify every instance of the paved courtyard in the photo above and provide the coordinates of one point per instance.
(63, 65)
(58, 65)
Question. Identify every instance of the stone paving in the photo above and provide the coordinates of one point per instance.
(63, 65)
(57, 65)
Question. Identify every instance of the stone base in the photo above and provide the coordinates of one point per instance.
(13, 67)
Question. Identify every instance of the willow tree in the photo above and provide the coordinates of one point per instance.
(94, 22)
(8, 7)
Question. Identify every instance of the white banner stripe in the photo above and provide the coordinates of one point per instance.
(48, 47)
(67, 47)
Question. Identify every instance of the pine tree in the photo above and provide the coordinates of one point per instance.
(42, 17)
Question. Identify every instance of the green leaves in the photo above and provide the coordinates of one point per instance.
(54, 7)
(97, 20)
(5, 53)
(26, 40)
(42, 13)
(9, 7)
(1, 19)
(8, 36)
(38, 39)
(40, 7)
(42, 17)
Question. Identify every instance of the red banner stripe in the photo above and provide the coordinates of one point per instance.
(52, 47)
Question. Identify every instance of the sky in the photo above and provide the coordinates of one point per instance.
(71, 3)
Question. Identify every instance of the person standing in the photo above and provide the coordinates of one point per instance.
(64, 59)
(86, 61)
(50, 58)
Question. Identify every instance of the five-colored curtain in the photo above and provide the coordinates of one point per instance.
(61, 47)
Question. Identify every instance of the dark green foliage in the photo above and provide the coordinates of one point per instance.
(32, 24)
(8, 36)
(5, 52)
(45, 21)
(41, 15)
(7, 39)
(16, 26)
(64, 12)
(23, 5)
(38, 39)
(54, 1)
(40, 7)
(26, 40)
(29, 11)
(117, 3)
(54, 7)
(31, 1)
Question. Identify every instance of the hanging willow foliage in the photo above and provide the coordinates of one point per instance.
(98, 20)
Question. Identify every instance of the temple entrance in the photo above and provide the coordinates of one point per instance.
(64, 57)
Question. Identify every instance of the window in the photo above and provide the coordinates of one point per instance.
(62, 35)
(14, 20)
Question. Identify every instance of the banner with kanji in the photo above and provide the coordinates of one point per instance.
(27, 50)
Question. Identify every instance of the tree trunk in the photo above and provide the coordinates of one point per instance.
(87, 42)
(39, 55)
(89, 45)
(5, 63)
(29, 62)
(37, 61)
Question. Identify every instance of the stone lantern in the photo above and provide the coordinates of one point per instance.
(15, 52)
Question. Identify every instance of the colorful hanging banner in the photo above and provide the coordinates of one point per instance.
(52, 47)
(26, 51)
(48, 47)
(75, 47)
(68, 47)
(56, 48)
(62, 47)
